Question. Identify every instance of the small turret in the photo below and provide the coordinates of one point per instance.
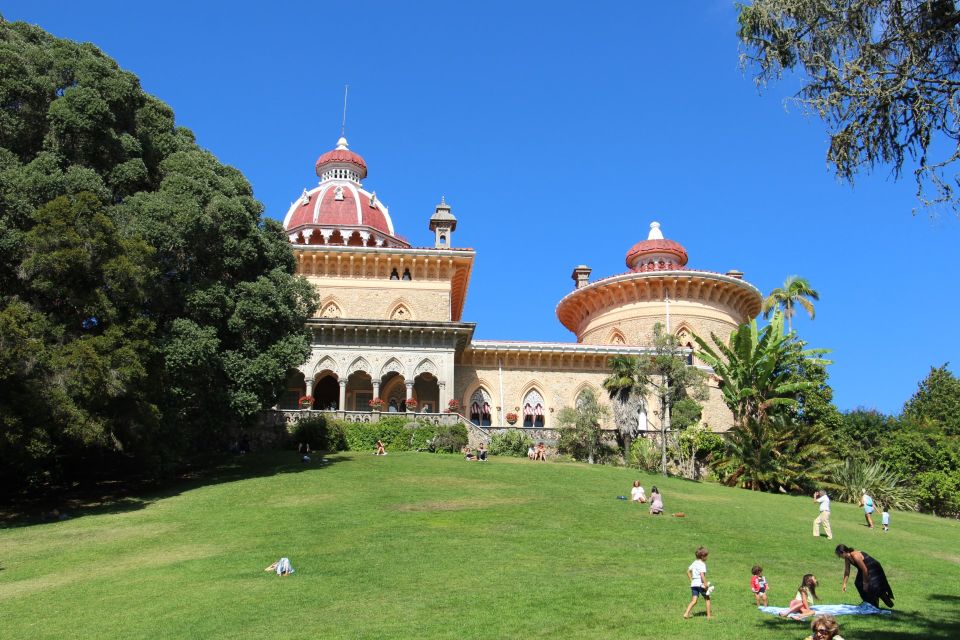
(443, 224)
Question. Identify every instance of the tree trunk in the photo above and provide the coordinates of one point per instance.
(665, 427)
(627, 444)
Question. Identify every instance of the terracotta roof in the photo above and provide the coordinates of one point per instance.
(342, 156)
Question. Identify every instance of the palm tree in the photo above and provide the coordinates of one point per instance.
(795, 290)
(626, 385)
(761, 379)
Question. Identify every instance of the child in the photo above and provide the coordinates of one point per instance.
(380, 451)
(699, 586)
(885, 519)
(637, 493)
(800, 605)
(758, 584)
(825, 627)
(656, 502)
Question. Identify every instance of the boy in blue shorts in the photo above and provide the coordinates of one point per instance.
(699, 586)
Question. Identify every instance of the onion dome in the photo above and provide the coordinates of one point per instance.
(339, 211)
(656, 254)
(341, 163)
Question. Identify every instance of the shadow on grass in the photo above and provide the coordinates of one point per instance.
(124, 496)
(941, 624)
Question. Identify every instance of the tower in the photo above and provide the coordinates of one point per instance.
(443, 224)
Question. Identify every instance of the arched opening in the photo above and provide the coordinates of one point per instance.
(533, 410)
(689, 358)
(406, 275)
(642, 425)
(326, 391)
(426, 389)
(393, 390)
(394, 275)
(295, 388)
(359, 391)
(480, 408)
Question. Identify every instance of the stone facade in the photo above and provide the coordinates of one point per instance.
(389, 324)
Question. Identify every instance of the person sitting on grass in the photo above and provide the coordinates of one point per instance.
(380, 450)
(824, 627)
(636, 493)
(541, 453)
(531, 452)
(656, 502)
(481, 452)
(799, 607)
(468, 454)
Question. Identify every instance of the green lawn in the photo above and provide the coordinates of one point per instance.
(416, 545)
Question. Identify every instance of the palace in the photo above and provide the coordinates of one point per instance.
(390, 322)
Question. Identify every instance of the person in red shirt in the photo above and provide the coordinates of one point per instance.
(758, 584)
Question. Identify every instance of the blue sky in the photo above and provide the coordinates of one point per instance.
(557, 131)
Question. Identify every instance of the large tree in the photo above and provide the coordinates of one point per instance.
(795, 291)
(882, 74)
(146, 306)
(936, 402)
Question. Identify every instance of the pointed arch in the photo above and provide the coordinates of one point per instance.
(331, 309)
(393, 365)
(426, 366)
(326, 364)
(400, 310)
(684, 334)
(584, 386)
(359, 364)
(616, 337)
(534, 408)
(480, 405)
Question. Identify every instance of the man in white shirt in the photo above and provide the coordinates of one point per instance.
(824, 517)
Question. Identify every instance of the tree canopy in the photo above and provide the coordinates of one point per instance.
(883, 75)
(146, 306)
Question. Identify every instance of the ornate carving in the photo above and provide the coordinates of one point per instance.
(426, 366)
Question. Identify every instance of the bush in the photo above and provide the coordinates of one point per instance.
(421, 436)
(886, 487)
(645, 455)
(363, 436)
(449, 439)
(320, 433)
(510, 443)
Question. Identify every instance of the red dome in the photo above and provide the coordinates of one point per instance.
(353, 209)
(656, 253)
(342, 156)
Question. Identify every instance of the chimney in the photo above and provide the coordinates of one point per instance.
(581, 276)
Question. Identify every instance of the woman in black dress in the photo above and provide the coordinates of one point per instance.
(871, 582)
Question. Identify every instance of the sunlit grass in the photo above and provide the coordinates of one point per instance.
(419, 545)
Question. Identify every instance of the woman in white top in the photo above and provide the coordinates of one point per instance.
(637, 494)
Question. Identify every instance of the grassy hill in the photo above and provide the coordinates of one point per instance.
(427, 546)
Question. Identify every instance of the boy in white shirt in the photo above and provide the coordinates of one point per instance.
(699, 586)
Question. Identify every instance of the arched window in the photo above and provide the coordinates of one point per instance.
(642, 425)
(406, 275)
(533, 410)
(480, 408)
(394, 275)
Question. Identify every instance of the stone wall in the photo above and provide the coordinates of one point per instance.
(383, 299)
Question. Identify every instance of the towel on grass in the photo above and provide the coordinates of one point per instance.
(862, 609)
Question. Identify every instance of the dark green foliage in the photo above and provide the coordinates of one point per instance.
(580, 433)
(146, 308)
(449, 439)
(883, 75)
(861, 432)
(321, 434)
(512, 442)
(936, 402)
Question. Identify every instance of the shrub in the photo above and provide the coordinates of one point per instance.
(449, 438)
(644, 454)
(320, 433)
(510, 443)
(421, 436)
(885, 486)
